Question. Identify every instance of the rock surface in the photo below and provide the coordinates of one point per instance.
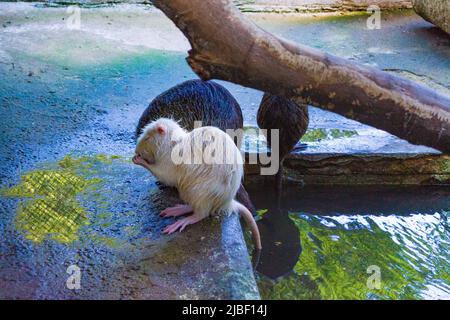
(436, 12)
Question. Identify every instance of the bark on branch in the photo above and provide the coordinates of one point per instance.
(228, 46)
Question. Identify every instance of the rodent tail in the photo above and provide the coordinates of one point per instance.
(243, 198)
(250, 221)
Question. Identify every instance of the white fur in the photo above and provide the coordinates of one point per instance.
(208, 187)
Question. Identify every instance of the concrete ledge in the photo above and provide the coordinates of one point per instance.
(112, 231)
(207, 261)
(367, 169)
(240, 274)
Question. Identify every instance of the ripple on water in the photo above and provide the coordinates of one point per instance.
(344, 256)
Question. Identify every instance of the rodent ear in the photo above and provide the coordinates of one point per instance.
(161, 129)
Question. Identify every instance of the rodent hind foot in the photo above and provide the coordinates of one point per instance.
(176, 211)
(181, 224)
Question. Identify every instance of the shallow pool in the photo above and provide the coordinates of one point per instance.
(355, 243)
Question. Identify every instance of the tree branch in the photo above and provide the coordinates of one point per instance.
(228, 46)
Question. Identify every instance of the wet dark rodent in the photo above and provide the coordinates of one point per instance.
(197, 100)
(292, 119)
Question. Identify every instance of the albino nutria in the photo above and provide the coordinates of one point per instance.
(204, 165)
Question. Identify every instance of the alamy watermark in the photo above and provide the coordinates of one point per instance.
(374, 280)
(73, 282)
(73, 22)
(374, 21)
(210, 148)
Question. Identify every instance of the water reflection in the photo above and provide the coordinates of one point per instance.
(282, 247)
(343, 231)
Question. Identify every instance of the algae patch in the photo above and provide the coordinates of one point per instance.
(315, 135)
(254, 139)
(261, 212)
(51, 208)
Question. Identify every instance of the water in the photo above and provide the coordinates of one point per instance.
(355, 243)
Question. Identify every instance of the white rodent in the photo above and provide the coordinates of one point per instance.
(204, 165)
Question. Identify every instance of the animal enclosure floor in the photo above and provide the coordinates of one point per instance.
(70, 99)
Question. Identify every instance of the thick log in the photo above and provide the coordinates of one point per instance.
(226, 45)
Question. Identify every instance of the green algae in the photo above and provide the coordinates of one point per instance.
(261, 212)
(337, 133)
(69, 162)
(315, 135)
(344, 276)
(105, 240)
(252, 136)
(292, 287)
(50, 208)
(445, 165)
